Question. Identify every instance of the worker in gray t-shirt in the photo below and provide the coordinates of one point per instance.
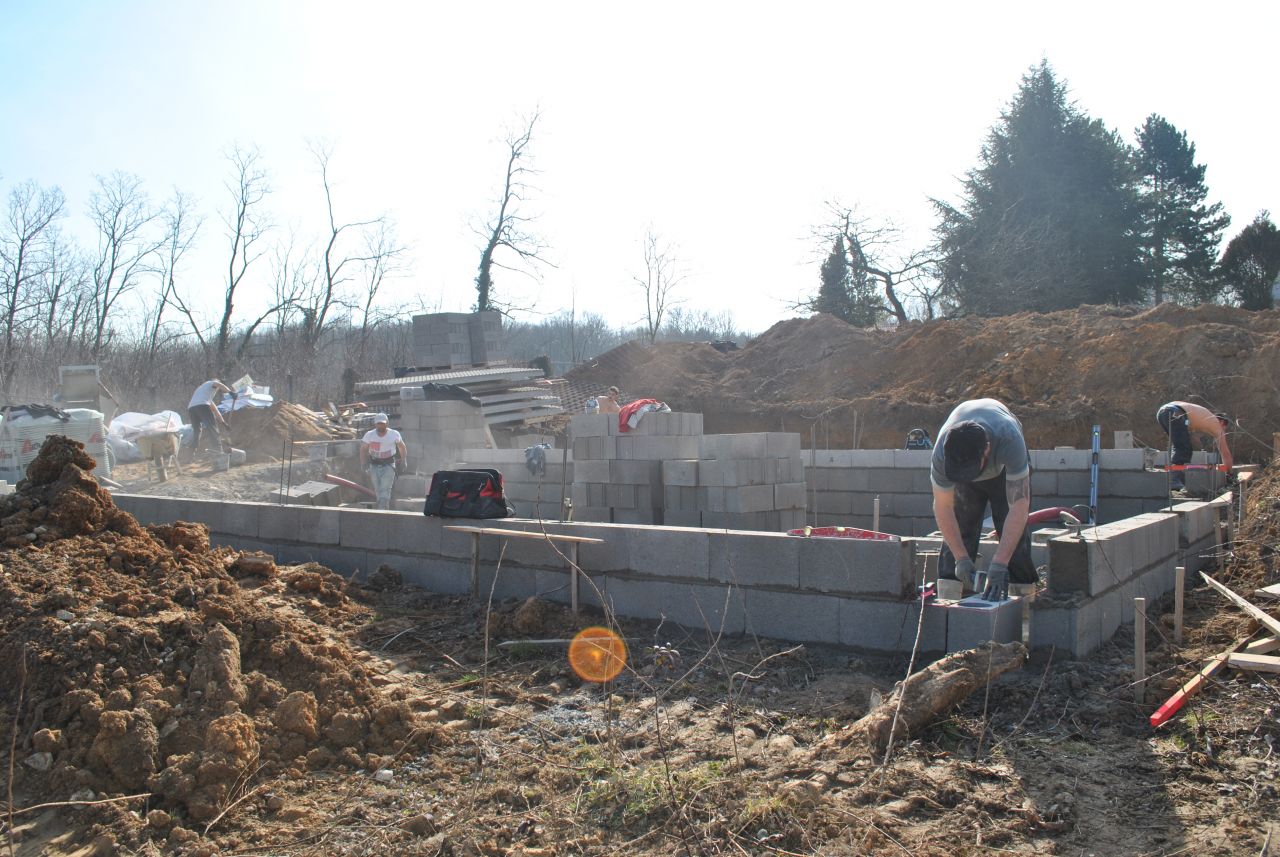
(981, 459)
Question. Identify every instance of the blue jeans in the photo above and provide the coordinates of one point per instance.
(383, 477)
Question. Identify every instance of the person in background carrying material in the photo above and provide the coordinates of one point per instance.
(379, 449)
(981, 457)
(202, 411)
(1178, 420)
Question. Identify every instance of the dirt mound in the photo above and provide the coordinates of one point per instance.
(1060, 372)
(266, 430)
(148, 661)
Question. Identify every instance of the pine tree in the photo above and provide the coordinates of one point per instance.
(833, 294)
(1049, 217)
(846, 291)
(1251, 263)
(1180, 234)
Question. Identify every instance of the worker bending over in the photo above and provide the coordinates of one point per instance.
(379, 449)
(1178, 420)
(203, 412)
(980, 458)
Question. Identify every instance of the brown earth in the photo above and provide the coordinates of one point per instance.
(247, 709)
(267, 431)
(1060, 373)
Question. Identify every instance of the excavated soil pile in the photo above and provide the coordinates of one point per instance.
(146, 661)
(266, 430)
(1060, 373)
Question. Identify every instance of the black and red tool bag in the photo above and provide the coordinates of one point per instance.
(467, 494)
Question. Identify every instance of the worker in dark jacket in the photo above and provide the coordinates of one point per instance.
(981, 459)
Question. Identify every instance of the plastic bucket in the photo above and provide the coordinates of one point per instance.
(238, 456)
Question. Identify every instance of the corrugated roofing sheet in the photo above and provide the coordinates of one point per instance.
(455, 376)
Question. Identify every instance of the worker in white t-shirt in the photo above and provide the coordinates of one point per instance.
(202, 411)
(379, 449)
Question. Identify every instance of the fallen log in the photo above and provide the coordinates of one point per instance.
(933, 691)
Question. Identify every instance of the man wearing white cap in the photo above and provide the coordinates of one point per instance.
(379, 449)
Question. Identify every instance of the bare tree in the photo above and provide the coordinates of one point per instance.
(123, 215)
(246, 226)
(383, 257)
(181, 226)
(662, 277)
(26, 236)
(873, 251)
(507, 229)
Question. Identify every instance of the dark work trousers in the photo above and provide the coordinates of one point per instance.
(971, 508)
(202, 415)
(1176, 425)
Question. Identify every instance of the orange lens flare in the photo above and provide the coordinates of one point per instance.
(597, 654)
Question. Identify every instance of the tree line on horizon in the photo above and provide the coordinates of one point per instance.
(1059, 212)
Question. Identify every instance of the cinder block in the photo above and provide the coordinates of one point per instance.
(625, 472)
(748, 498)
(507, 581)
(361, 528)
(764, 559)
(296, 554)
(620, 496)
(829, 457)
(879, 625)
(856, 566)
(789, 496)
(712, 608)
(781, 444)
(888, 480)
(240, 519)
(871, 457)
(345, 561)
(913, 505)
(663, 552)
(680, 472)
(912, 458)
(1060, 459)
(1120, 483)
(738, 471)
(792, 615)
(1120, 459)
(1044, 483)
(840, 479)
(279, 523)
(1110, 613)
(971, 622)
(1066, 627)
(316, 526)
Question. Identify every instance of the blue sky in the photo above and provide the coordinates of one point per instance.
(725, 127)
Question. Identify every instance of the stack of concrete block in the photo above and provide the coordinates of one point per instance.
(618, 475)
(453, 339)
(436, 433)
(749, 481)
(5, 488)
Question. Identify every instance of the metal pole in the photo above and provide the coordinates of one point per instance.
(1093, 475)
(875, 514)
(1139, 650)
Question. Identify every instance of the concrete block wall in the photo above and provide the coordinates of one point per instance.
(1092, 579)
(821, 590)
(842, 486)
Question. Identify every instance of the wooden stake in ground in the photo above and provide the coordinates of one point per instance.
(1179, 588)
(928, 694)
(1140, 650)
